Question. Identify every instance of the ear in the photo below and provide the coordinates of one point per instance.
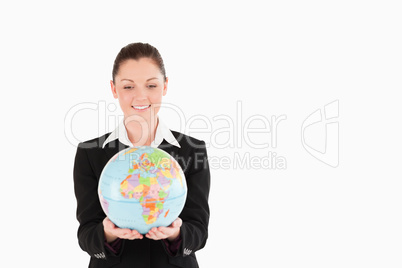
(112, 86)
(165, 86)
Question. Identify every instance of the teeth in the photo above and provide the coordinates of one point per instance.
(141, 107)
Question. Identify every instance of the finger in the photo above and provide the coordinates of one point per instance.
(132, 236)
(108, 223)
(155, 234)
(164, 231)
(136, 234)
(123, 233)
(150, 235)
(177, 223)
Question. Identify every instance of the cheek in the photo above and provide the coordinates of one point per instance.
(124, 97)
(156, 97)
(124, 101)
(156, 100)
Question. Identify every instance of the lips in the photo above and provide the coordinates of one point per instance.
(141, 107)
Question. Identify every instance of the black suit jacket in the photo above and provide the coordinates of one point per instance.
(89, 162)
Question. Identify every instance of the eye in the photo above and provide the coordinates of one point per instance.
(151, 86)
(128, 87)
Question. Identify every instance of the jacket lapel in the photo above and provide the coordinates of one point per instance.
(113, 148)
(169, 148)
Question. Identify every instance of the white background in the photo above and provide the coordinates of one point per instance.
(278, 58)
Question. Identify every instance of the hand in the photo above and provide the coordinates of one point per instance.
(112, 232)
(170, 233)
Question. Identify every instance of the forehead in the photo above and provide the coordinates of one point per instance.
(143, 68)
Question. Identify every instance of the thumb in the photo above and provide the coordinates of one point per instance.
(177, 223)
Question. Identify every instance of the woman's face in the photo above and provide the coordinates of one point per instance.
(139, 87)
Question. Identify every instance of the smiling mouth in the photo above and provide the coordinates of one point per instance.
(141, 107)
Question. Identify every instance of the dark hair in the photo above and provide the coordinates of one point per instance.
(136, 51)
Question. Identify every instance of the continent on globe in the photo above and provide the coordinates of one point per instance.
(149, 186)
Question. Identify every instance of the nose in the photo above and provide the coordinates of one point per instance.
(140, 94)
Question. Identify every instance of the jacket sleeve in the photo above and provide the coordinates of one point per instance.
(195, 214)
(89, 211)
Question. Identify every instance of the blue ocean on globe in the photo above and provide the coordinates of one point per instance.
(142, 187)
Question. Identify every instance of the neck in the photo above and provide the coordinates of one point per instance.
(141, 131)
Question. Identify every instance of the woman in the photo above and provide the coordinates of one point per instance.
(139, 83)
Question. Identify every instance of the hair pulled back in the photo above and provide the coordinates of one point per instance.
(136, 51)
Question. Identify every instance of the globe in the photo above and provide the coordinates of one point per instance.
(142, 187)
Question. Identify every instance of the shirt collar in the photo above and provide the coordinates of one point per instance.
(162, 132)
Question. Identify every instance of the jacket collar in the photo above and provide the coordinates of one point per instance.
(162, 133)
(115, 146)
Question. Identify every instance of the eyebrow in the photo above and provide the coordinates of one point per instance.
(126, 79)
